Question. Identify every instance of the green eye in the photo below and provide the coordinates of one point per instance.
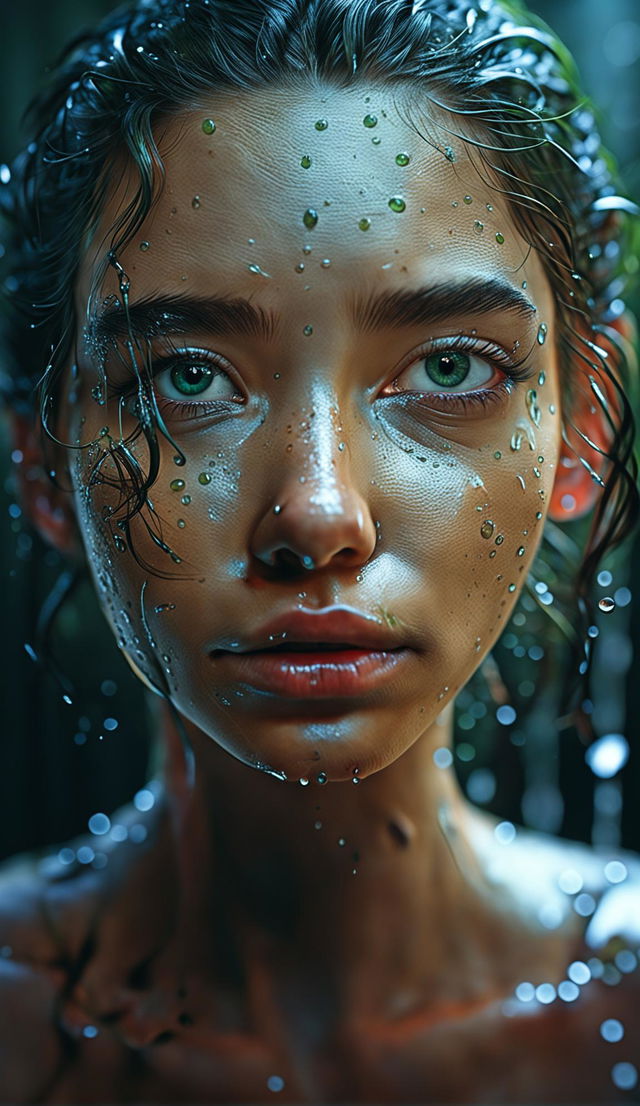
(191, 379)
(447, 369)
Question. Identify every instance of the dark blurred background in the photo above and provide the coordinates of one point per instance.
(62, 762)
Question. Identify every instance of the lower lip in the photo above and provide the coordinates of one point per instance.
(315, 675)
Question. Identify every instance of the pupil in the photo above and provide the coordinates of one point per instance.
(191, 379)
(446, 366)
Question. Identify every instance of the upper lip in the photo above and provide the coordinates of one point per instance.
(334, 626)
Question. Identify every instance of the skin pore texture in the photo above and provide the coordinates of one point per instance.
(348, 939)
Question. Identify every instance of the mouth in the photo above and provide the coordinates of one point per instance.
(312, 670)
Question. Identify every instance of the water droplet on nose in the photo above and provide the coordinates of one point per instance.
(607, 604)
(364, 223)
(542, 334)
(321, 124)
(196, 203)
(487, 529)
(396, 203)
(499, 238)
(402, 159)
(370, 121)
(176, 485)
(310, 218)
(305, 161)
(208, 126)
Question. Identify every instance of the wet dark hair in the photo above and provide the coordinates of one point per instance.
(508, 88)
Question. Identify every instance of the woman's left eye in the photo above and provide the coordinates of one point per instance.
(446, 370)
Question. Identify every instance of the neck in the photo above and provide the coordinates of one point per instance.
(356, 894)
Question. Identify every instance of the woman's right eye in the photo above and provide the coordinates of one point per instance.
(194, 378)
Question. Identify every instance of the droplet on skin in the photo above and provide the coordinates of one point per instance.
(521, 551)
(322, 777)
(299, 267)
(144, 246)
(181, 523)
(364, 223)
(176, 485)
(542, 334)
(397, 204)
(499, 539)
(487, 529)
(497, 455)
(499, 238)
(196, 203)
(532, 406)
(305, 161)
(325, 263)
(303, 781)
(321, 124)
(478, 226)
(204, 478)
(541, 378)
(186, 500)
(449, 153)
(467, 199)
(307, 331)
(370, 121)
(512, 587)
(607, 604)
(208, 126)
(402, 159)
(310, 218)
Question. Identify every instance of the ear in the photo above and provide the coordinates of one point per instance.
(575, 492)
(48, 506)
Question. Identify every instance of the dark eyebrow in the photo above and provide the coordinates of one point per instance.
(452, 299)
(158, 315)
(161, 315)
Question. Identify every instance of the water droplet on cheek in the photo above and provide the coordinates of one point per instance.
(176, 485)
(204, 478)
(487, 529)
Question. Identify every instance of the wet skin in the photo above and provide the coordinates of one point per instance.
(358, 941)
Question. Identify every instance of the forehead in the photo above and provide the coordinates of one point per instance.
(358, 176)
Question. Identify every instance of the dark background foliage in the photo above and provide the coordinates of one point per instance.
(61, 762)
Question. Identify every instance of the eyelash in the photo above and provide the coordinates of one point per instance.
(515, 373)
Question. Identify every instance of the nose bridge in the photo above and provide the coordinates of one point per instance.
(317, 508)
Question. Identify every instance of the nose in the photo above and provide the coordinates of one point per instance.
(317, 515)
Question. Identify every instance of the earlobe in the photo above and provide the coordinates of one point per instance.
(48, 507)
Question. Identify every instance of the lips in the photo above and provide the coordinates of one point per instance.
(336, 653)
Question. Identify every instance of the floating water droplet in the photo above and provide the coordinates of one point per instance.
(487, 529)
(204, 478)
(196, 203)
(208, 126)
(310, 218)
(542, 334)
(402, 159)
(607, 604)
(364, 223)
(396, 203)
(321, 124)
(305, 161)
(499, 238)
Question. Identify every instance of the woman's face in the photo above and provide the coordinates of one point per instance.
(354, 350)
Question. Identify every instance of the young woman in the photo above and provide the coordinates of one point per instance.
(322, 300)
